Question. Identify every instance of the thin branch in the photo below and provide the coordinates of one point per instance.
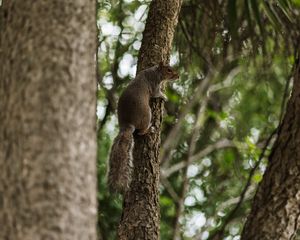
(189, 40)
(226, 83)
(185, 185)
(109, 109)
(224, 143)
(235, 200)
(165, 182)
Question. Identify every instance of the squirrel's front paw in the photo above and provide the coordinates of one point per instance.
(152, 129)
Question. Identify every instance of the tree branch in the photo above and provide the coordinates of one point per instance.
(224, 143)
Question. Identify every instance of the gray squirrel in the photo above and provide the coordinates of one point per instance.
(134, 114)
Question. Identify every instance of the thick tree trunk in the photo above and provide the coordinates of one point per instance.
(47, 120)
(141, 216)
(276, 209)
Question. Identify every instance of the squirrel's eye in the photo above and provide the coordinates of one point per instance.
(169, 70)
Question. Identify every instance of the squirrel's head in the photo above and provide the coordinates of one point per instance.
(167, 72)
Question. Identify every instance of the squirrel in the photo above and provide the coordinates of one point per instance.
(134, 114)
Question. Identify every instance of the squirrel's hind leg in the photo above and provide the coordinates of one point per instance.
(145, 130)
(145, 123)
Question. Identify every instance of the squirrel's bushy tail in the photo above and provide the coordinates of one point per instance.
(120, 161)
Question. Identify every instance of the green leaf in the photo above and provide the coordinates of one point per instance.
(257, 177)
(271, 15)
(165, 201)
(285, 9)
(223, 115)
(250, 144)
(228, 158)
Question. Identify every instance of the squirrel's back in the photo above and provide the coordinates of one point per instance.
(133, 105)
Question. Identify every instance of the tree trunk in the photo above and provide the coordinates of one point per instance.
(276, 210)
(141, 216)
(47, 120)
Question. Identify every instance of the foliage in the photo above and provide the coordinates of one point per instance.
(235, 60)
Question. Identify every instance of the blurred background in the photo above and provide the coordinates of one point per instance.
(235, 62)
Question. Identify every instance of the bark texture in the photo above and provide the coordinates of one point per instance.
(47, 120)
(276, 210)
(141, 216)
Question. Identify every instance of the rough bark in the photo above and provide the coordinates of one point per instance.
(276, 210)
(141, 216)
(47, 120)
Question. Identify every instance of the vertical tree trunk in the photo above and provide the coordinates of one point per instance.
(276, 210)
(141, 217)
(47, 120)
